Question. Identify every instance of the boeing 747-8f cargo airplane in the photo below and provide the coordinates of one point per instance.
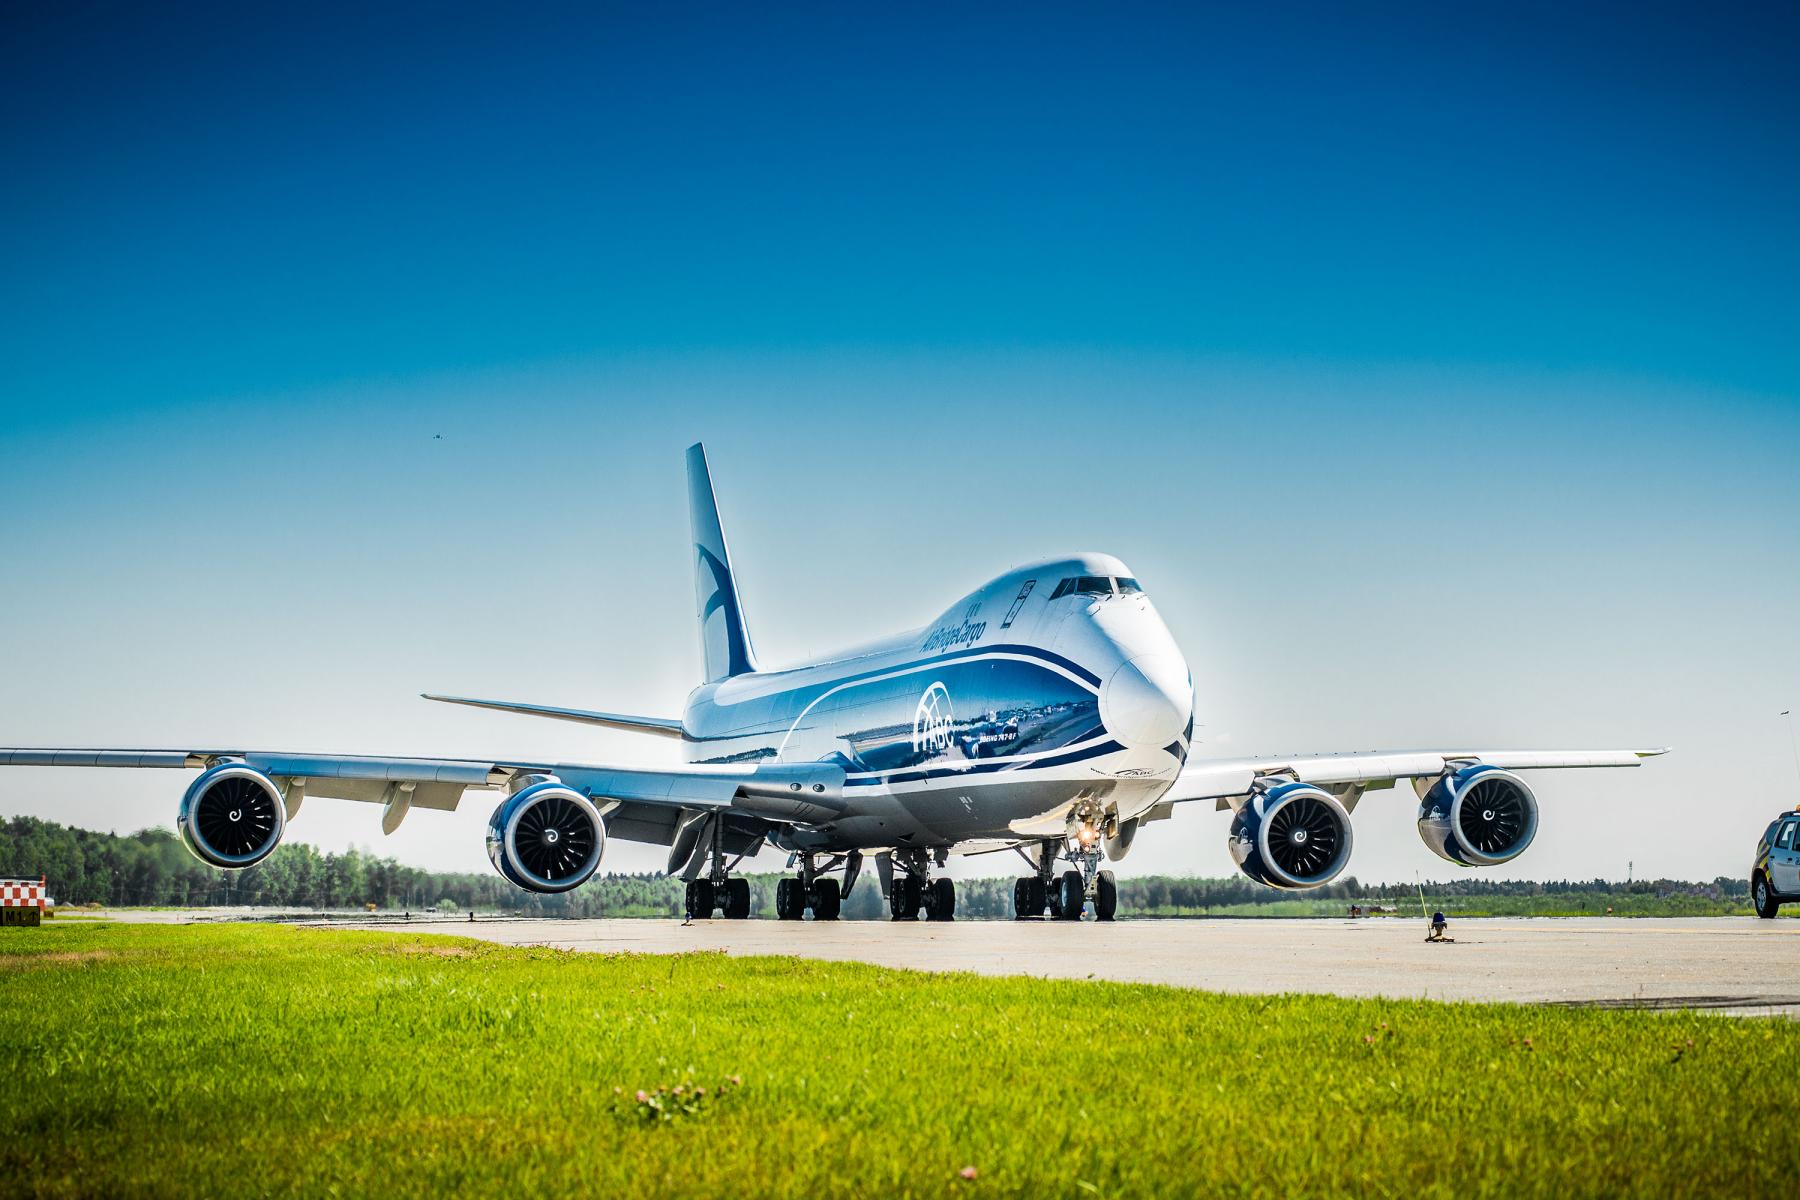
(1048, 712)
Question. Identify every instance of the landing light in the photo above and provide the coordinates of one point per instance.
(1088, 834)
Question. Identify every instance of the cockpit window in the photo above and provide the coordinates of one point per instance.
(1083, 585)
(1129, 587)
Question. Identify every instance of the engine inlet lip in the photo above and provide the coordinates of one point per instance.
(1476, 856)
(1282, 799)
(197, 791)
(535, 795)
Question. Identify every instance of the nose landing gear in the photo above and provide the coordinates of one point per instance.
(1065, 897)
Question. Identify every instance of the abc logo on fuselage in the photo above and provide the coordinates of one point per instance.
(932, 722)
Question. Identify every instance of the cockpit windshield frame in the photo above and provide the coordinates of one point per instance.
(1097, 585)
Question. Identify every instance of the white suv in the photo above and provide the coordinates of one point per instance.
(1776, 875)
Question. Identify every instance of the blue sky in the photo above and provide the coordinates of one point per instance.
(1439, 372)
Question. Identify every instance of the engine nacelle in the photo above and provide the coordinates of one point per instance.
(1293, 835)
(1478, 816)
(546, 837)
(1118, 837)
(232, 816)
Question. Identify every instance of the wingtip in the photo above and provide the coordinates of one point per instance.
(1657, 753)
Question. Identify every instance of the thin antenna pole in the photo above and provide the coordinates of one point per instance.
(1421, 884)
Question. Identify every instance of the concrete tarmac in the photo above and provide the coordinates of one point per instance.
(1729, 964)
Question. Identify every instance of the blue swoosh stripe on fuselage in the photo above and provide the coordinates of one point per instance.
(900, 668)
(814, 693)
(1058, 760)
(1079, 742)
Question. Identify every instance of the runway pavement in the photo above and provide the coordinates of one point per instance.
(1734, 965)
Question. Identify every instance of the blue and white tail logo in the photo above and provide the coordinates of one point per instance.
(932, 722)
(724, 635)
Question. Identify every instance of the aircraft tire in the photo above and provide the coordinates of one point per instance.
(737, 899)
(826, 900)
(1039, 898)
(1070, 898)
(700, 900)
(904, 898)
(942, 903)
(790, 900)
(1106, 897)
(1022, 900)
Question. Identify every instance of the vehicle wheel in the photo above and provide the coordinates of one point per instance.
(700, 900)
(790, 901)
(1763, 896)
(737, 899)
(1070, 896)
(1022, 900)
(1040, 900)
(904, 898)
(1106, 897)
(942, 903)
(826, 900)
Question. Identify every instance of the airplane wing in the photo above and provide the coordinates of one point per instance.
(787, 793)
(1228, 781)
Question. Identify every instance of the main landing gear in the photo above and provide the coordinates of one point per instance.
(911, 890)
(730, 897)
(720, 891)
(816, 890)
(1064, 897)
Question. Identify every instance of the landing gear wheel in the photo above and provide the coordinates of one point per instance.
(1106, 897)
(1040, 896)
(1022, 900)
(700, 902)
(790, 900)
(737, 899)
(1763, 896)
(1070, 896)
(940, 900)
(904, 898)
(826, 900)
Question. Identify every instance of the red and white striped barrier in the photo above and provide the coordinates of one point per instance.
(22, 893)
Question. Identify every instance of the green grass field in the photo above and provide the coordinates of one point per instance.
(271, 1060)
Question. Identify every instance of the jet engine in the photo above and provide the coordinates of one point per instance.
(232, 816)
(1118, 837)
(1478, 816)
(546, 837)
(1292, 835)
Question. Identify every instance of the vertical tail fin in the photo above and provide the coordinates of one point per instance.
(724, 638)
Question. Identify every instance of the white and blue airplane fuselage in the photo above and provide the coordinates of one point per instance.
(1054, 689)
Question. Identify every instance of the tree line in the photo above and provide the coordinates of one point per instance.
(152, 867)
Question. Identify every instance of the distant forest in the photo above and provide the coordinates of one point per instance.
(152, 867)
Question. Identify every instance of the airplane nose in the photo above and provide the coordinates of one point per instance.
(1147, 701)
